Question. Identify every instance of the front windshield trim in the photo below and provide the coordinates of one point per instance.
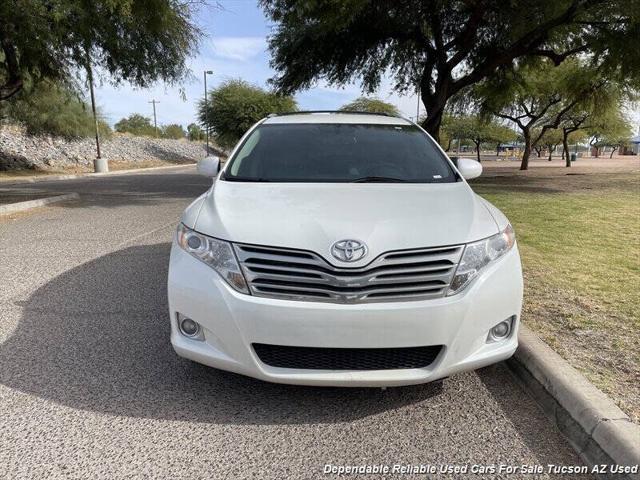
(452, 176)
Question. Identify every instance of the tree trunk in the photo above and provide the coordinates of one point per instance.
(526, 133)
(432, 124)
(477, 151)
(434, 103)
(449, 145)
(13, 78)
(613, 150)
(550, 152)
(565, 147)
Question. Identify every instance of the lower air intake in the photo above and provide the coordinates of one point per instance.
(313, 358)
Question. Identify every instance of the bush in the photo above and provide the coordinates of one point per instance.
(173, 131)
(371, 105)
(51, 109)
(194, 132)
(136, 124)
(234, 106)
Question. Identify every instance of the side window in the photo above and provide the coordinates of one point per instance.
(245, 151)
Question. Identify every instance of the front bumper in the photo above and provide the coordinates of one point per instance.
(232, 321)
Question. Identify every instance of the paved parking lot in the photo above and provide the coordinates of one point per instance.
(90, 387)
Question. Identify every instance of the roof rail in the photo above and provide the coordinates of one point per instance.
(348, 112)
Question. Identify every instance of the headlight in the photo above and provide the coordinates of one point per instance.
(478, 255)
(218, 254)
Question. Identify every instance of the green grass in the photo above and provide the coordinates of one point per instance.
(580, 251)
(587, 243)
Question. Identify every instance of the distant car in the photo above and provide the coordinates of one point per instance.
(343, 249)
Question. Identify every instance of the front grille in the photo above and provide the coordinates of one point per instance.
(301, 275)
(314, 358)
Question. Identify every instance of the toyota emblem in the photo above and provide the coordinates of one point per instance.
(348, 250)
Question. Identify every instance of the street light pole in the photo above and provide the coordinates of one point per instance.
(206, 125)
(155, 122)
(99, 164)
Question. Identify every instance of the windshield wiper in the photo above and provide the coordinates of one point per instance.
(245, 179)
(372, 179)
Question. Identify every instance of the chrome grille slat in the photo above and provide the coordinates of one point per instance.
(351, 280)
(300, 275)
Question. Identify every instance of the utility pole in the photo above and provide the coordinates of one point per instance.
(206, 126)
(155, 122)
(99, 164)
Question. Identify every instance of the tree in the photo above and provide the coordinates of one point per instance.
(477, 129)
(441, 48)
(135, 124)
(571, 125)
(52, 109)
(371, 105)
(537, 97)
(455, 127)
(609, 129)
(194, 132)
(173, 131)
(488, 131)
(139, 41)
(595, 111)
(234, 106)
(550, 140)
(616, 140)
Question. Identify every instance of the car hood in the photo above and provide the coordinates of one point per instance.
(312, 216)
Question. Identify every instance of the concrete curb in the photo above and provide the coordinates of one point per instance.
(40, 202)
(599, 431)
(53, 178)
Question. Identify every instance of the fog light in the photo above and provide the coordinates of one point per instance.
(500, 331)
(189, 327)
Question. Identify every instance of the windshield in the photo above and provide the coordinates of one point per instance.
(330, 152)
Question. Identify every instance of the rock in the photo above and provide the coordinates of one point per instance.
(21, 151)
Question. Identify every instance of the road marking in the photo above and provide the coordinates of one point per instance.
(131, 239)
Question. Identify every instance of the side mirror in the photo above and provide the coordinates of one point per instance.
(209, 166)
(469, 168)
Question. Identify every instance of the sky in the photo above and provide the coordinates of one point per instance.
(235, 46)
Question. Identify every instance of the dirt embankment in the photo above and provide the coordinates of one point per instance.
(21, 151)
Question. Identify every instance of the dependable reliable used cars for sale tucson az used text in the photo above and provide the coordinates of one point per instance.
(343, 249)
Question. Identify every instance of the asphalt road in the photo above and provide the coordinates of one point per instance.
(90, 387)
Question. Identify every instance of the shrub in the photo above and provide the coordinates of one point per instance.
(173, 131)
(194, 132)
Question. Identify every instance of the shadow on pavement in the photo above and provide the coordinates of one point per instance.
(97, 338)
(118, 190)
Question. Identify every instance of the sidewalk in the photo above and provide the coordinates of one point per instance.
(48, 178)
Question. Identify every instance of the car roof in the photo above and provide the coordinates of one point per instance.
(335, 117)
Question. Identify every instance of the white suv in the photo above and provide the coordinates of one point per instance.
(343, 249)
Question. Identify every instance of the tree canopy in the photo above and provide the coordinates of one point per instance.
(538, 96)
(139, 41)
(135, 124)
(173, 131)
(52, 109)
(234, 106)
(477, 129)
(371, 105)
(611, 129)
(441, 48)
